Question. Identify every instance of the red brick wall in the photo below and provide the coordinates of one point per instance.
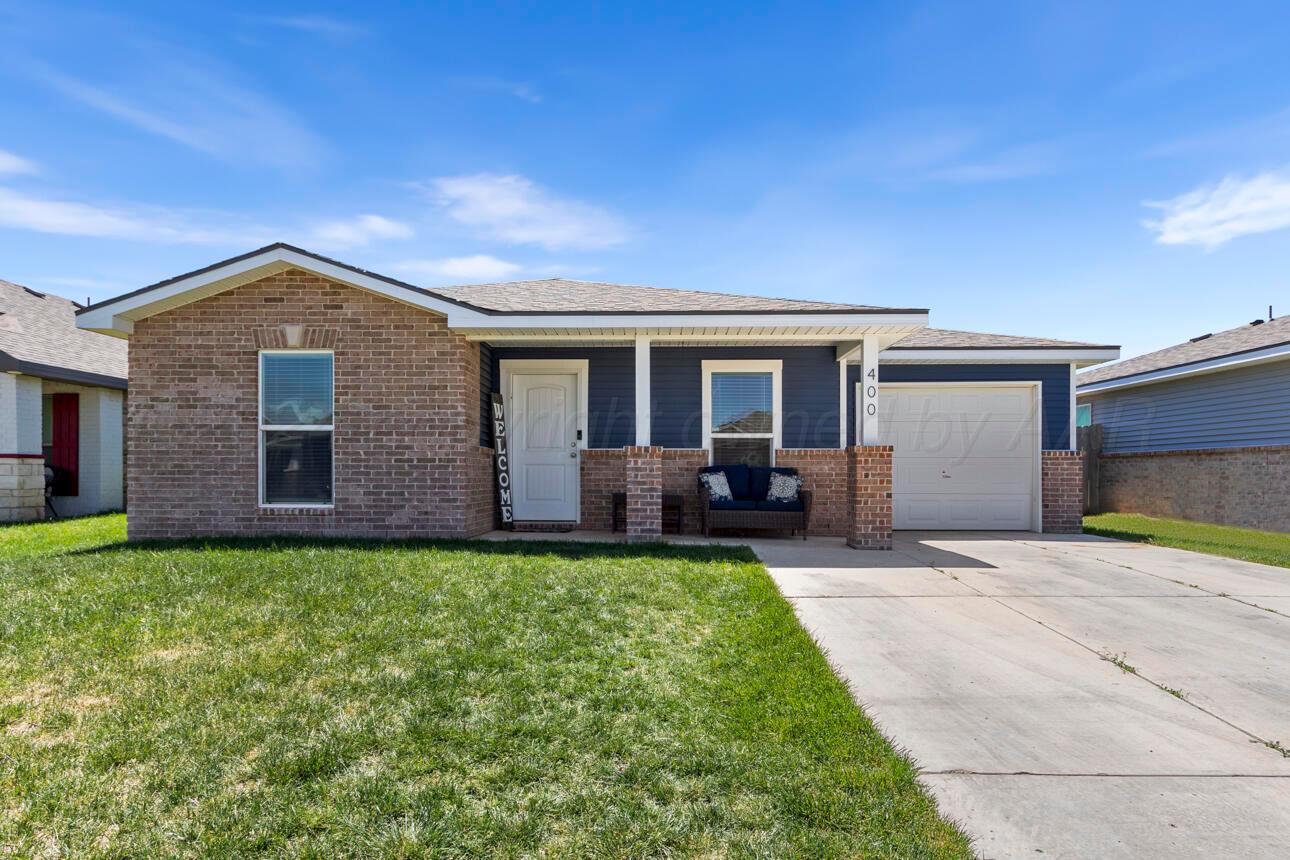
(482, 512)
(406, 415)
(681, 477)
(869, 473)
(826, 475)
(1247, 487)
(1063, 490)
(644, 492)
(603, 472)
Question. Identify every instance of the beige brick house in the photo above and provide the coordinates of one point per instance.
(62, 408)
(282, 392)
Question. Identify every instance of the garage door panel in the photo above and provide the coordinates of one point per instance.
(1005, 403)
(919, 511)
(965, 456)
(975, 476)
(945, 440)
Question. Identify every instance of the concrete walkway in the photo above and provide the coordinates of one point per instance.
(989, 657)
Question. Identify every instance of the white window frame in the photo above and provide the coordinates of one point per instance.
(1078, 407)
(775, 367)
(262, 428)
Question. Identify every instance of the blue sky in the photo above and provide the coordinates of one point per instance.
(1105, 172)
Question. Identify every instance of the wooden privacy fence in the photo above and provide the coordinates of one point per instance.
(1089, 441)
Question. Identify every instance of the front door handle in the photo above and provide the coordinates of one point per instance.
(573, 454)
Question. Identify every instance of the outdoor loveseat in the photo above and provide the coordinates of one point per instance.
(749, 509)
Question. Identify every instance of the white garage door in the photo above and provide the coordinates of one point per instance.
(966, 456)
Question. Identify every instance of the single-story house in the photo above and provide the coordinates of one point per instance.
(284, 392)
(1199, 430)
(62, 405)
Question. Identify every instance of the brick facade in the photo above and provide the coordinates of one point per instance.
(681, 477)
(869, 477)
(644, 467)
(1247, 487)
(826, 473)
(22, 489)
(603, 472)
(406, 444)
(1063, 491)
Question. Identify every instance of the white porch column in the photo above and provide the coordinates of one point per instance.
(642, 390)
(867, 407)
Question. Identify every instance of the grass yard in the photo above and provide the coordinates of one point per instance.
(1247, 544)
(444, 699)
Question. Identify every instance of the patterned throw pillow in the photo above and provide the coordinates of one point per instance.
(783, 488)
(718, 486)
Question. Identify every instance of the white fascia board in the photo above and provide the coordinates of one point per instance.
(1056, 355)
(115, 317)
(1213, 365)
(112, 317)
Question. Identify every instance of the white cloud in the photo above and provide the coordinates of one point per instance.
(1017, 162)
(359, 231)
(512, 209)
(196, 108)
(477, 267)
(10, 163)
(70, 218)
(1214, 214)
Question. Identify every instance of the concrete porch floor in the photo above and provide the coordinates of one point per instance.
(989, 658)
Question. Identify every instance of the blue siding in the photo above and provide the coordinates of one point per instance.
(1228, 409)
(611, 384)
(810, 392)
(487, 373)
(1056, 379)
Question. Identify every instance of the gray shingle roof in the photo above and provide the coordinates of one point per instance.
(560, 295)
(38, 335)
(947, 338)
(1231, 342)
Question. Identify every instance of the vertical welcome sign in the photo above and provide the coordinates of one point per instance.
(502, 450)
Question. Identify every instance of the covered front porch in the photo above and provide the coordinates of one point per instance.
(639, 414)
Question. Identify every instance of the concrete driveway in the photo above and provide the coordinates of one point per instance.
(1068, 696)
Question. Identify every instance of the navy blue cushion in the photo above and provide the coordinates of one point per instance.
(759, 480)
(795, 505)
(733, 505)
(736, 477)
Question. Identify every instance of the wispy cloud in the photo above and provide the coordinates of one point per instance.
(320, 25)
(359, 231)
(519, 89)
(72, 218)
(12, 164)
(512, 209)
(195, 107)
(1214, 214)
(477, 267)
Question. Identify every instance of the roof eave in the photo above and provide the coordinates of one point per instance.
(1230, 361)
(1080, 356)
(116, 316)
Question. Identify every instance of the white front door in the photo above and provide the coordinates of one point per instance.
(966, 456)
(544, 439)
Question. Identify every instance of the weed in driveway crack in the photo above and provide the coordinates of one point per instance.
(1120, 660)
(1278, 746)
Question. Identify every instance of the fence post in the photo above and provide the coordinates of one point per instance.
(1090, 446)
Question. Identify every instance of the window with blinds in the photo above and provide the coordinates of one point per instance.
(296, 428)
(742, 418)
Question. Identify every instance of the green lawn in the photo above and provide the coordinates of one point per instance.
(1247, 544)
(444, 699)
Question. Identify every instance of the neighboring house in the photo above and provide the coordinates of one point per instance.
(62, 404)
(1200, 430)
(282, 392)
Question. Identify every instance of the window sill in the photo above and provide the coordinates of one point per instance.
(298, 510)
